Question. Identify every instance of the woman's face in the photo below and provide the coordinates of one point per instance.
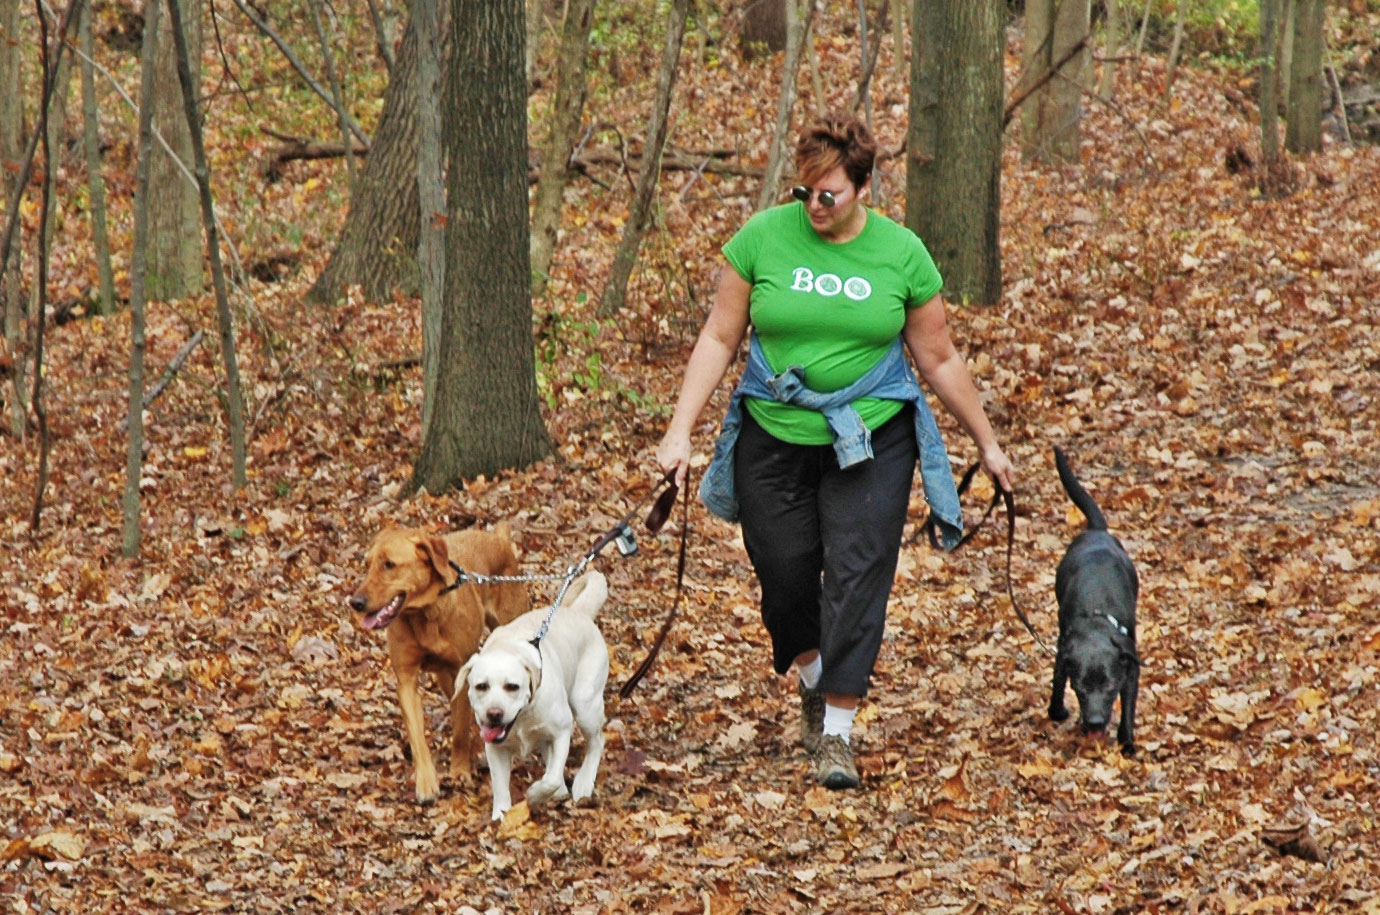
(840, 221)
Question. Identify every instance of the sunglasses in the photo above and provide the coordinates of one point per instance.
(802, 193)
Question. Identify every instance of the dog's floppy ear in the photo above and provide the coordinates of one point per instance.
(1127, 646)
(532, 661)
(462, 677)
(438, 555)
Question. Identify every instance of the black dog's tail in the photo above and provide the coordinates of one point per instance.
(1078, 494)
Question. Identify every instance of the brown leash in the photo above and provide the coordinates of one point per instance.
(999, 494)
(655, 519)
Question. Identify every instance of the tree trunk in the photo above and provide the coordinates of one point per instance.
(233, 394)
(616, 289)
(56, 119)
(175, 252)
(337, 88)
(1269, 99)
(1050, 123)
(92, 146)
(54, 84)
(536, 24)
(763, 29)
(1172, 67)
(138, 279)
(431, 195)
(900, 13)
(378, 243)
(1111, 48)
(487, 416)
(1303, 121)
(12, 150)
(955, 142)
(796, 25)
(566, 114)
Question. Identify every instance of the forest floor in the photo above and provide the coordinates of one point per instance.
(205, 728)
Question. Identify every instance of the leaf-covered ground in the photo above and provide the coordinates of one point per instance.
(205, 728)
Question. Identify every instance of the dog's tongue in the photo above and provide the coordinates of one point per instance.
(491, 733)
(384, 615)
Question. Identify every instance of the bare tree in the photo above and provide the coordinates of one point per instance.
(1172, 66)
(138, 279)
(1055, 57)
(51, 61)
(487, 416)
(51, 74)
(337, 87)
(955, 142)
(796, 27)
(291, 57)
(12, 150)
(1303, 117)
(175, 254)
(1111, 48)
(1269, 93)
(566, 113)
(616, 288)
(234, 396)
(91, 144)
(431, 196)
(377, 247)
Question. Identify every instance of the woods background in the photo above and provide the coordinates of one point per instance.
(1145, 271)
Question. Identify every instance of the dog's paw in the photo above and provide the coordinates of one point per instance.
(427, 788)
(543, 792)
(581, 793)
(1058, 713)
(1128, 750)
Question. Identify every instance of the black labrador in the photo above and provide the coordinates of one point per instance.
(1097, 588)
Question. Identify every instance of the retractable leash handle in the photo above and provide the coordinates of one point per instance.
(621, 532)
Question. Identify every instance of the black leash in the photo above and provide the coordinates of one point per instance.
(999, 494)
(622, 534)
(655, 519)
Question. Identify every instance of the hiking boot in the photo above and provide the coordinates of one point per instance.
(834, 764)
(811, 717)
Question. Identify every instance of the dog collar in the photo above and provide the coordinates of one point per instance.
(1117, 626)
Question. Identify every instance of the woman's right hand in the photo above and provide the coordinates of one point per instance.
(673, 454)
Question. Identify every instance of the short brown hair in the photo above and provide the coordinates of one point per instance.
(833, 142)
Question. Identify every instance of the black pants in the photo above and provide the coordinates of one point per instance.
(824, 544)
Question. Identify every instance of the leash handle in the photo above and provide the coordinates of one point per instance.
(655, 519)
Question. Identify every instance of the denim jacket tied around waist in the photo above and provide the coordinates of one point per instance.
(889, 379)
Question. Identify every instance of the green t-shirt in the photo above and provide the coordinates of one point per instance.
(833, 308)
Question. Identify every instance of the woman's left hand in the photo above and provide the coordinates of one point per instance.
(998, 466)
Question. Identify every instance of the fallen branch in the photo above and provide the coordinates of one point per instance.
(295, 148)
(168, 373)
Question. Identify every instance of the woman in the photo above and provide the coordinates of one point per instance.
(819, 447)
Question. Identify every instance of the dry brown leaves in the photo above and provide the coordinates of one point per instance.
(204, 729)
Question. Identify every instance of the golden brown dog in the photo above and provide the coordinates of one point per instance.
(434, 626)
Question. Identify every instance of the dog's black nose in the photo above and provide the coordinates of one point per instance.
(494, 716)
(1094, 723)
(357, 603)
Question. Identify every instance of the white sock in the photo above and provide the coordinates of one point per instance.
(838, 722)
(810, 673)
